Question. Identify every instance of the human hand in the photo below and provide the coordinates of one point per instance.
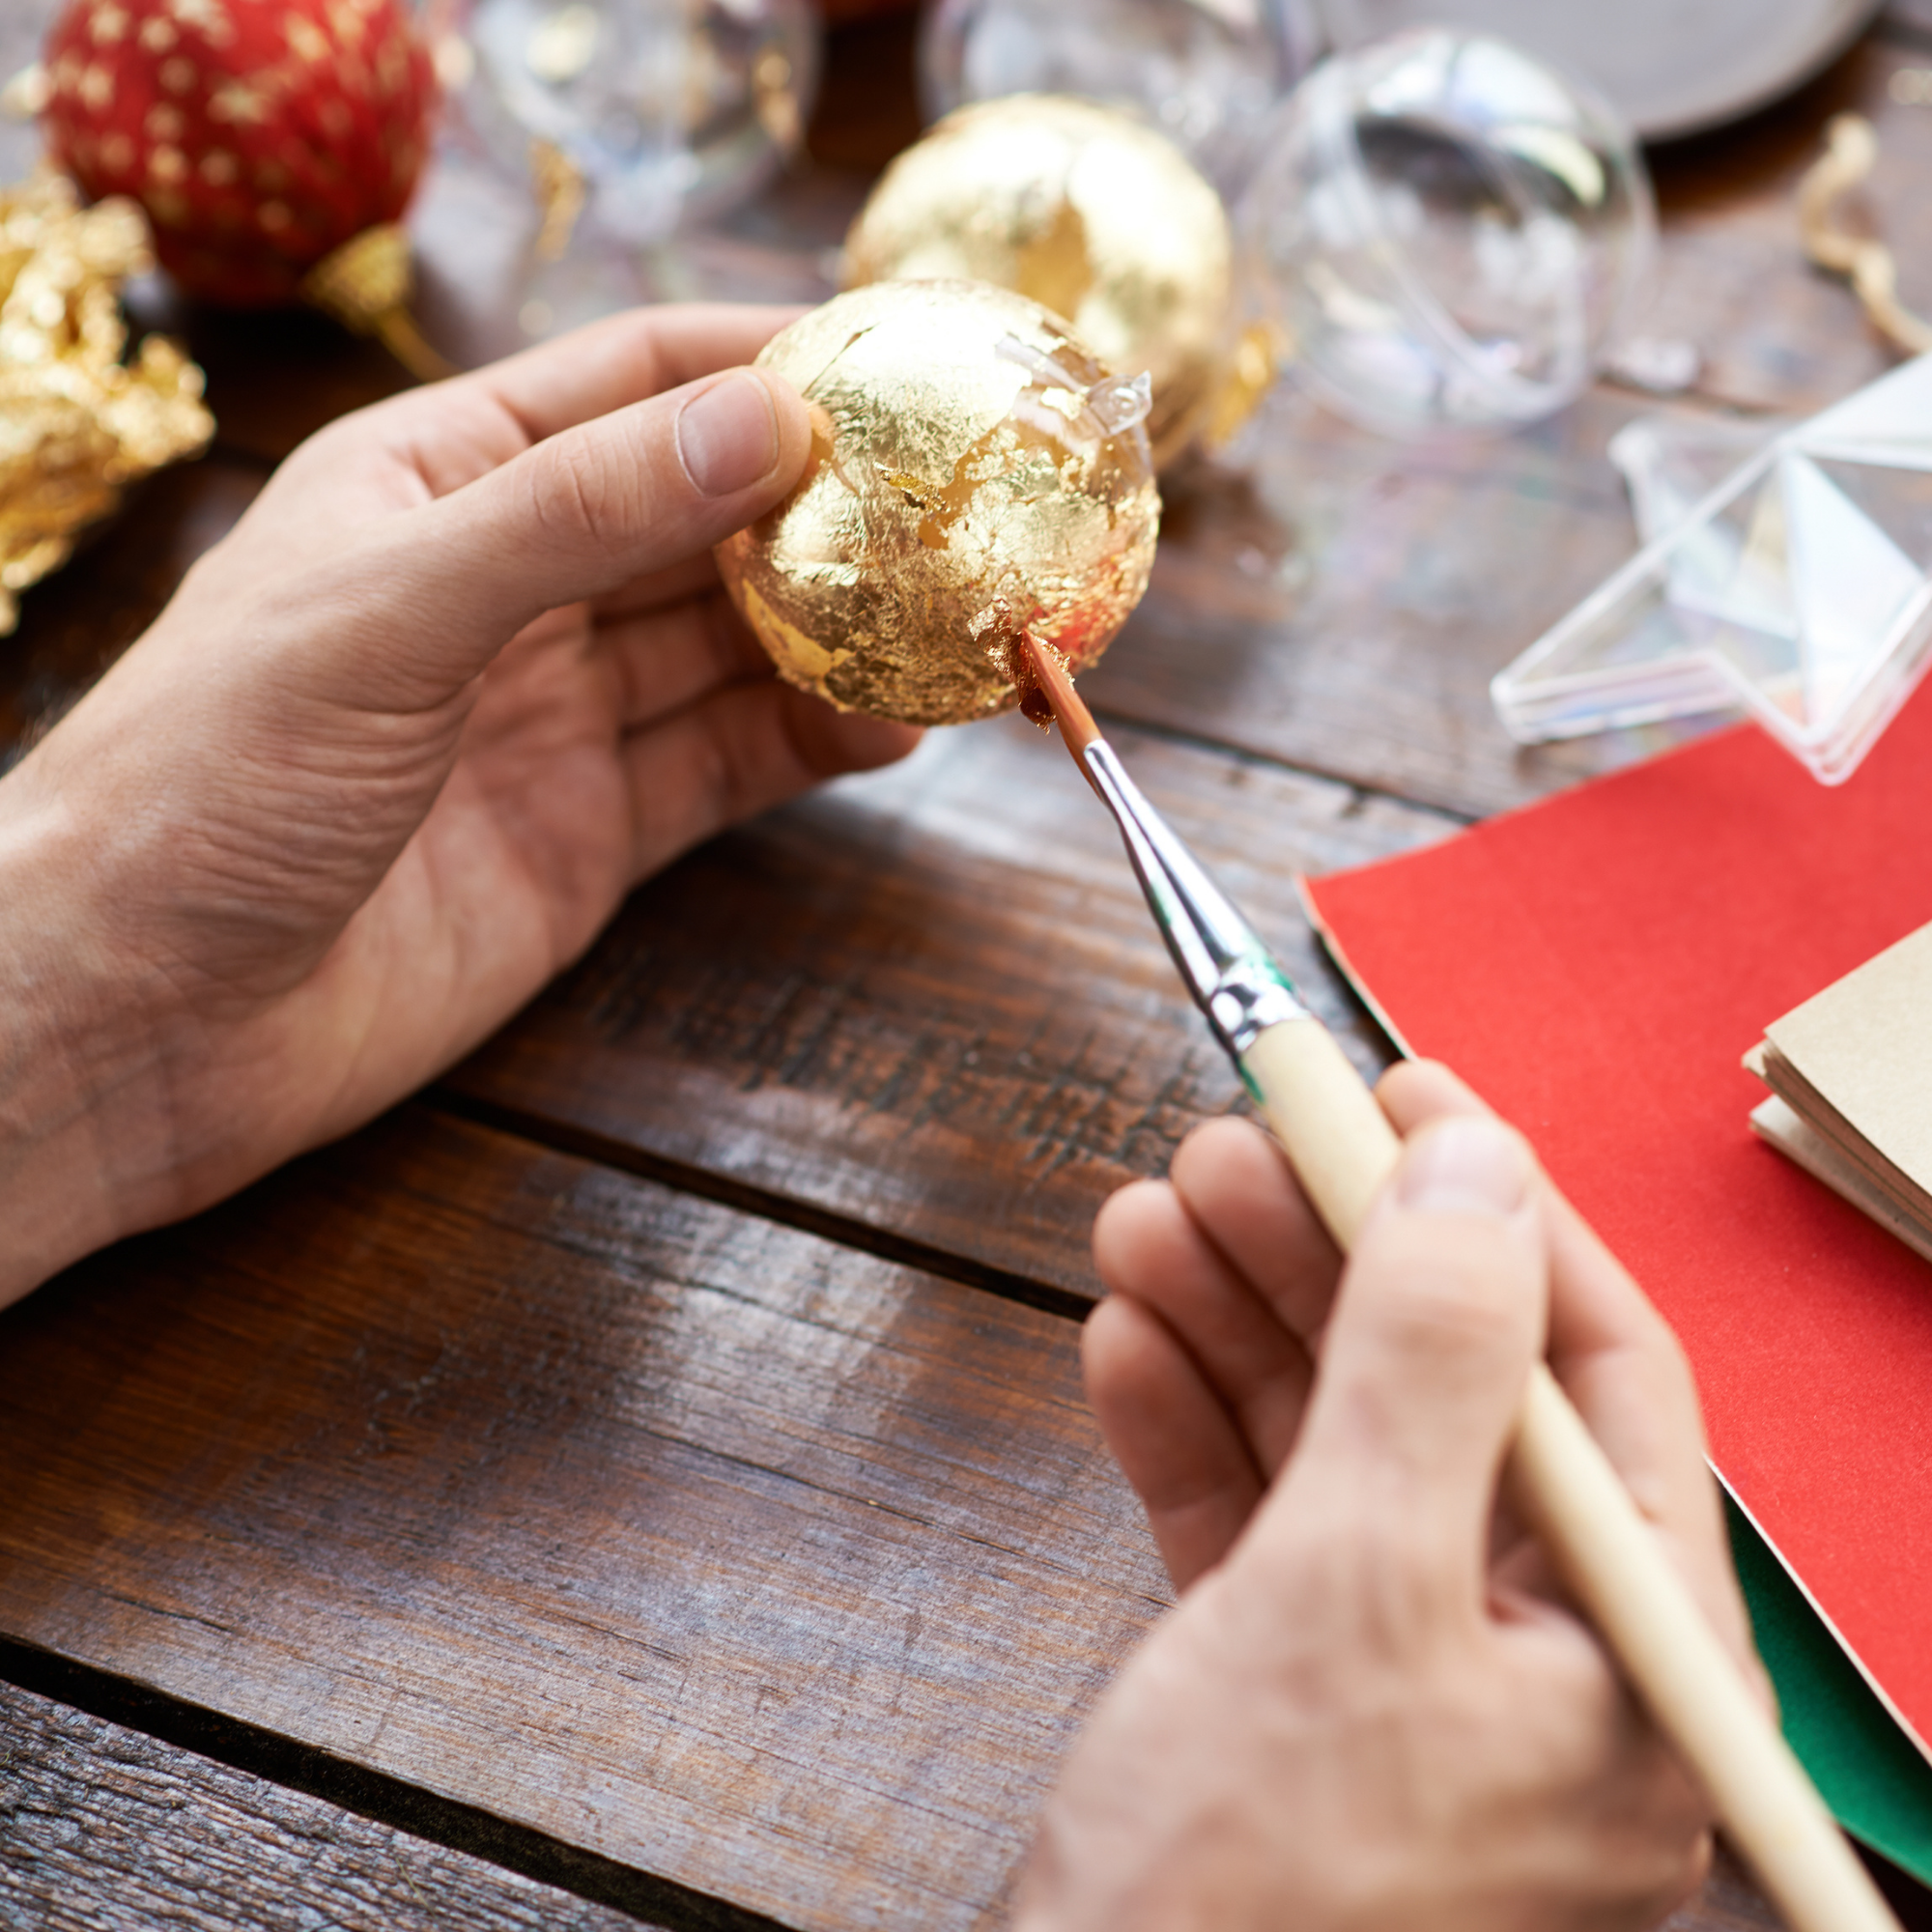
(1373, 1708)
(460, 678)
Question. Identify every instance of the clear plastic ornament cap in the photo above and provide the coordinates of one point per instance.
(1798, 589)
(1445, 233)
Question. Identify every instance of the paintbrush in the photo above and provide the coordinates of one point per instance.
(1341, 1145)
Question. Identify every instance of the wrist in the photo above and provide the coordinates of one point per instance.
(74, 1081)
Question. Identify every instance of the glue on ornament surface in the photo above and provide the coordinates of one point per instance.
(974, 468)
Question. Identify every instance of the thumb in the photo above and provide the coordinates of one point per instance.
(1439, 1315)
(586, 511)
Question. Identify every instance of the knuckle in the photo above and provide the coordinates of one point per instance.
(316, 450)
(1675, 1381)
(581, 497)
(1121, 1229)
(1366, 1571)
(1646, 1824)
(721, 780)
(1660, 1845)
(1453, 1294)
(1208, 1149)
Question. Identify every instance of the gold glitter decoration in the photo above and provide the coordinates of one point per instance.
(974, 467)
(366, 284)
(76, 423)
(1090, 211)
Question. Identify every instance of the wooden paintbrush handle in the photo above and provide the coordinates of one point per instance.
(1343, 1147)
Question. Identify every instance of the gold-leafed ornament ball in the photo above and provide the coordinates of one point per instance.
(1093, 214)
(974, 470)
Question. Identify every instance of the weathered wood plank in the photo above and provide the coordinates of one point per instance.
(104, 1830)
(690, 1540)
(932, 1000)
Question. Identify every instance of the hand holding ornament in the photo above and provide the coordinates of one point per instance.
(974, 467)
(459, 680)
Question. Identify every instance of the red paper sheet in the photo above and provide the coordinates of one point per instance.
(1595, 966)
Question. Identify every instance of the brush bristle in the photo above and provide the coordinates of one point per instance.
(1076, 722)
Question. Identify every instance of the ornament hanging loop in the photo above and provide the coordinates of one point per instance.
(366, 284)
(1851, 152)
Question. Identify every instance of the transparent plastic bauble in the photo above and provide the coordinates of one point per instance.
(1207, 73)
(668, 110)
(1445, 233)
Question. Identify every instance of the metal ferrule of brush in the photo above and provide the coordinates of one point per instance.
(1232, 975)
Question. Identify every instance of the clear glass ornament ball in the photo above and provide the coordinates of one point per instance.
(1207, 73)
(669, 109)
(1445, 233)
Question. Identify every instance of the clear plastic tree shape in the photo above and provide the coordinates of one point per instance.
(1797, 588)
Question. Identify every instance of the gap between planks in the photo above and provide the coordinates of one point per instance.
(660, 1903)
(1362, 792)
(557, 1136)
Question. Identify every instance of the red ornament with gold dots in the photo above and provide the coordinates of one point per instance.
(260, 135)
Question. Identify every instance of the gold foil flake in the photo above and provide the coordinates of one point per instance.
(969, 455)
(803, 660)
(1088, 212)
(76, 423)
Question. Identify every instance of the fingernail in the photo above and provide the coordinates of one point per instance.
(1466, 1165)
(727, 436)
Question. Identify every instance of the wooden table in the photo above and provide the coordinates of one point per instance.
(645, 1477)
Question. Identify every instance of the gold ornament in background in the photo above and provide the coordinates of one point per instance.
(1090, 211)
(76, 423)
(974, 468)
(1261, 353)
(1851, 152)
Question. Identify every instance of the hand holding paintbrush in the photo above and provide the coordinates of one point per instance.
(973, 464)
(1344, 1150)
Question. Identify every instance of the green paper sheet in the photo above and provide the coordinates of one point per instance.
(1870, 1773)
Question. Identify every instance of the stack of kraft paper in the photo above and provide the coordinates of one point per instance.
(1850, 1074)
